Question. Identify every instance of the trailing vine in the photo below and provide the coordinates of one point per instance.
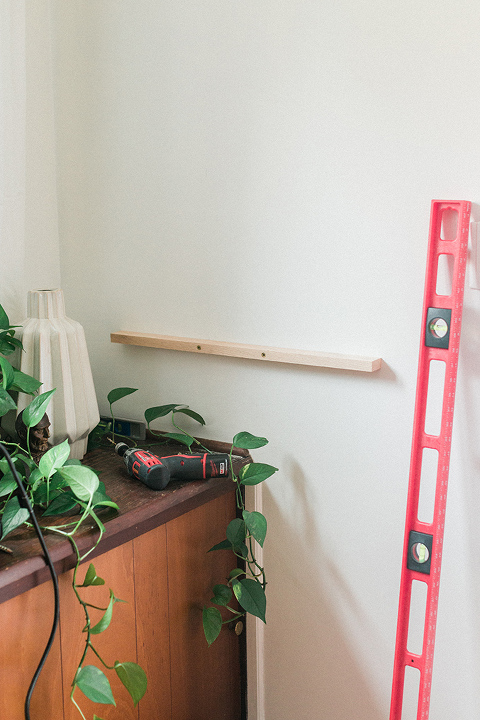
(59, 487)
(56, 486)
(247, 581)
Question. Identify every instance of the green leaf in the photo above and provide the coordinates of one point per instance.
(236, 572)
(106, 618)
(104, 503)
(240, 549)
(119, 393)
(95, 438)
(4, 321)
(25, 383)
(224, 545)
(35, 478)
(57, 482)
(61, 504)
(44, 494)
(184, 439)
(160, 411)
(256, 524)
(251, 596)
(212, 623)
(15, 341)
(255, 473)
(13, 516)
(4, 466)
(7, 484)
(5, 347)
(81, 479)
(7, 373)
(133, 678)
(18, 459)
(6, 402)
(54, 458)
(34, 412)
(236, 532)
(26, 460)
(94, 684)
(247, 441)
(101, 498)
(192, 414)
(91, 577)
(95, 717)
(8, 343)
(222, 595)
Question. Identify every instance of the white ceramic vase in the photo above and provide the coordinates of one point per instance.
(55, 352)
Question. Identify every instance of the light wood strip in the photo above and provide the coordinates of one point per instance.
(252, 352)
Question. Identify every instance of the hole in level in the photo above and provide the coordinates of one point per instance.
(418, 608)
(445, 274)
(436, 382)
(448, 230)
(411, 690)
(428, 483)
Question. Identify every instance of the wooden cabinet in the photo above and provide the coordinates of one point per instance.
(164, 573)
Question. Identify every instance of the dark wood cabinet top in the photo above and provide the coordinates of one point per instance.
(140, 510)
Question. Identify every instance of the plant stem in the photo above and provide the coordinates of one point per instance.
(76, 704)
(19, 447)
(235, 612)
(193, 439)
(113, 423)
(109, 667)
(229, 620)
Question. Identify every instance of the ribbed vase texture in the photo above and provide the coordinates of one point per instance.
(55, 352)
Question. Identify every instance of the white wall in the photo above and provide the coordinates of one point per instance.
(42, 257)
(28, 205)
(262, 173)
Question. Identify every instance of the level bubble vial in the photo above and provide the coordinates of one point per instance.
(438, 327)
(420, 553)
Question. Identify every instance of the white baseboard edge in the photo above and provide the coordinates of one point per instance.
(255, 635)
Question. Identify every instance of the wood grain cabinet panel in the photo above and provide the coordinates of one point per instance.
(165, 575)
(152, 613)
(205, 680)
(118, 642)
(26, 622)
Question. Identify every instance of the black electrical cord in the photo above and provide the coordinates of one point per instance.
(48, 560)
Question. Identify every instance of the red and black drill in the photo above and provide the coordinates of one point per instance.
(156, 472)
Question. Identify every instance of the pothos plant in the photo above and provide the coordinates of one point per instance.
(57, 486)
(247, 581)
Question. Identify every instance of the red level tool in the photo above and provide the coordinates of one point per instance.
(440, 339)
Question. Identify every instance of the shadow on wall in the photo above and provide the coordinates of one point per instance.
(468, 434)
(312, 672)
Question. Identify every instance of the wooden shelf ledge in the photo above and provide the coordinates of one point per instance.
(250, 352)
(140, 510)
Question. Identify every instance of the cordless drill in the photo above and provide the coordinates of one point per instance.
(156, 472)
